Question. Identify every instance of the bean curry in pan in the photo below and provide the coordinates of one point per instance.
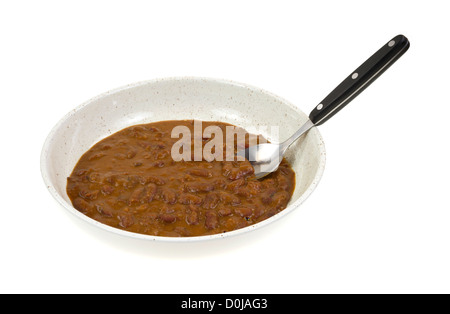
(131, 181)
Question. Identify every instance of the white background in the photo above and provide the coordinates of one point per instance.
(379, 221)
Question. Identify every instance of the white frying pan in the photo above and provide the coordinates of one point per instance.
(203, 99)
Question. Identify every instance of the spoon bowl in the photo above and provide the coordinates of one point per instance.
(265, 158)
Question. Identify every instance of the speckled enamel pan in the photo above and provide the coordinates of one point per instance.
(208, 100)
(181, 98)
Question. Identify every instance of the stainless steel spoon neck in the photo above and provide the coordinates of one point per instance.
(303, 129)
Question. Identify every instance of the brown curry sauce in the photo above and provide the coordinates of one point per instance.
(130, 181)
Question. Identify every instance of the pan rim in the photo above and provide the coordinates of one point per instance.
(48, 141)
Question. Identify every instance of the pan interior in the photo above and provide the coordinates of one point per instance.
(181, 99)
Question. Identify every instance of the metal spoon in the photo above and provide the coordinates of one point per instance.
(265, 158)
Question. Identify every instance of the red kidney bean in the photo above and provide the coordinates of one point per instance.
(104, 210)
(244, 211)
(149, 192)
(211, 220)
(195, 187)
(211, 200)
(126, 220)
(107, 189)
(186, 199)
(192, 218)
(167, 218)
(169, 196)
(83, 206)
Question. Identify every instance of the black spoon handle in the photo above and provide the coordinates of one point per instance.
(360, 79)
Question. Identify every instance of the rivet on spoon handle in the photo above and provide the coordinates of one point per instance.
(360, 79)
